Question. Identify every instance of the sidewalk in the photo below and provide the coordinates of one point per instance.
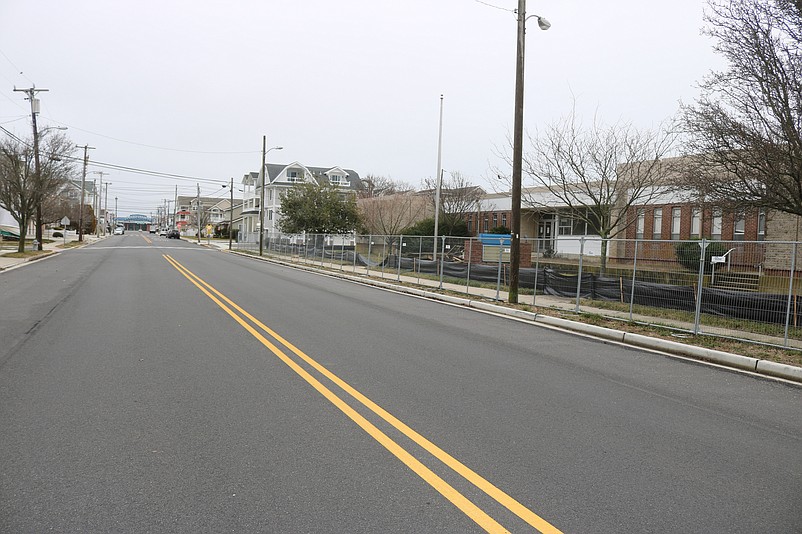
(10, 247)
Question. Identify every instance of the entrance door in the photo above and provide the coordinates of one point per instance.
(545, 234)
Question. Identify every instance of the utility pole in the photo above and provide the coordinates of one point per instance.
(262, 198)
(198, 213)
(106, 214)
(99, 204)
(517, 148)
(83, 189)
(175, 209)
(37, 168)
(231, 213)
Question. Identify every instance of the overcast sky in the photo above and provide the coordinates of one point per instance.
(190, 87)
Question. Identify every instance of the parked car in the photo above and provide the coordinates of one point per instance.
(163, 232)
(152, 230)
(173, 234)
(119, 230)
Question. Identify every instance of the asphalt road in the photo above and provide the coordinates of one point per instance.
(151, 385)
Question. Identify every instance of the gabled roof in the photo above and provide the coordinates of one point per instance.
(320, 174)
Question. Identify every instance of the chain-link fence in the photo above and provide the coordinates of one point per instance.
(738, 289)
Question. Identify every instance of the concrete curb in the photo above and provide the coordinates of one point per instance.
(725, 359)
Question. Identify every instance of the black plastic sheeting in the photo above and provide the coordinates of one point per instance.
(759, 307)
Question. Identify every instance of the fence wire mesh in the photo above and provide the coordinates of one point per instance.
(737, 289)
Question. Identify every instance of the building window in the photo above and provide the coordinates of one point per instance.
(470, 223)
(565, 225)
(495, 220)
(504, 220)
(696, 222)
(740, 227)
(485, 223)
(657, 226)
(292, 176)
(676, 220)
(270, 195)
(716, 226)
(761, 225)
(640, 224)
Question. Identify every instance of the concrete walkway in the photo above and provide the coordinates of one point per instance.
(10, 247)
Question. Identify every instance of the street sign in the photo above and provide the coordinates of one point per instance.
(65, 221)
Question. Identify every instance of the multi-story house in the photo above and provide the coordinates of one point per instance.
(281, 177)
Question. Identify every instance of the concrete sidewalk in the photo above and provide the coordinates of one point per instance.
(57, 246)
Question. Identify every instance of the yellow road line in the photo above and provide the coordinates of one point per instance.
(497, 494)
(147, 240)
(460, 501)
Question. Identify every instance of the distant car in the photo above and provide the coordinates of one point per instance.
(163, 232)
(152, 230)
(173, 234)
(119, 230)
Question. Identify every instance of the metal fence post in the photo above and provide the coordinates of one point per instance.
(498, 274)
(632, 289)
(790, 295)
(367, 263)
(442, 259)
(468, 276)
(579, 275)
(401, 246)
(384, 254)
(420, 254)
(537, 264)
(356, 238)
(697, 318)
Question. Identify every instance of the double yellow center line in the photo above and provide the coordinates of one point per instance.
(449, 492)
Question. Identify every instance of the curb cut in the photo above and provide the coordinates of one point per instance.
(725, 359)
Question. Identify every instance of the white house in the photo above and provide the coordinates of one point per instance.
(281, 177)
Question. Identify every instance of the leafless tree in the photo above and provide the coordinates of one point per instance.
(389, 214)
(596, 172)
(56, 170)
(17, 184)
(458, 198)
(380, 186)
(745, 130)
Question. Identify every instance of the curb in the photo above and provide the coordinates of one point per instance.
(725, 359)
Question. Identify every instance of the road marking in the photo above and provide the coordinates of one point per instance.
(149, 242)
(498, 495)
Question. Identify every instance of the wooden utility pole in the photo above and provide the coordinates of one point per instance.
(83, 189)
(38, 194)
(231, 214)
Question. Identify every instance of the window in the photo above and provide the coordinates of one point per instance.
(716, 226)
(470, 223)
(640, 224)
(696, 222)
(657, 225)
(761, 225)
(270, 194)
(566, 225)
(504, 220)
(495, 220)
(485, 223)
(739, 227)
(335, 178)
(676, 220)
(292, 176)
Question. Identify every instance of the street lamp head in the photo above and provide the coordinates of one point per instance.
(543, 23)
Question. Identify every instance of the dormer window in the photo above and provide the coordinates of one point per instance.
(292, 176)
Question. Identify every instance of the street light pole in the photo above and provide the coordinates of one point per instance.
(265, 150)
(231, 213)
(517, 149)
(439, 182)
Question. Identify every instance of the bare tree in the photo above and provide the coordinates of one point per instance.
(380, 186)
(597, 173)
(458, 198)
(17, 184)
(56, 170)
(745, 130)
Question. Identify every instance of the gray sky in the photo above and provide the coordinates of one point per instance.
(190, 87)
